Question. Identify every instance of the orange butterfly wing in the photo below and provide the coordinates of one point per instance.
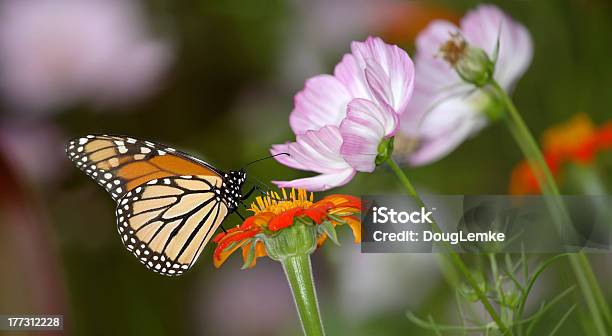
(120, 164)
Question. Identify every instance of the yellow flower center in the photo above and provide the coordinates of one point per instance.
(273, 202)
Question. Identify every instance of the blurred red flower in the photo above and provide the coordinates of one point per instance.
(576, 141)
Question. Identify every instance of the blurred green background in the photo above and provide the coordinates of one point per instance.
(225, 95)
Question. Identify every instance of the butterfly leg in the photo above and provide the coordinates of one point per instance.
(239, 215)
(248, 193)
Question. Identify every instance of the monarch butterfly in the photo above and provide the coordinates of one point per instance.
(169, 203)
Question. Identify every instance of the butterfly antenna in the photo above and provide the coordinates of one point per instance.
(265, 158)
(264, 192)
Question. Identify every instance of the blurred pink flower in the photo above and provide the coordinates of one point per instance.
(340, 120)
(33, 150)
(57, 52)
(441, 115)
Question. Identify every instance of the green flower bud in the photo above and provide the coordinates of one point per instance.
(385, 149)
(472, 64)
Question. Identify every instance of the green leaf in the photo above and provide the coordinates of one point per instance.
(250, 255)
(531, 281)
(337, 219)
(565, 316)
(461, 313)
(435, 326)
(431, 325)
(230, 246)
(545, 307)
(467, 292)
(328, 228)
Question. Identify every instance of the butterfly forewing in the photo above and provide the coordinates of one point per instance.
(167, 222)
(120, 164)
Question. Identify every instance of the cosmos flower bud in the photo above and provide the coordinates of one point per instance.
(472, 64)
(385, 149)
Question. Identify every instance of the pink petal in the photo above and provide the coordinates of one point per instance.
(395, 70)
(352, 75)
(433, 71)
(436, 81)
(378, 81)
(322, 102)
(482, 27)
(446, 127)
(376, 70)
(365, 126)
(320, 182)
(317, 151)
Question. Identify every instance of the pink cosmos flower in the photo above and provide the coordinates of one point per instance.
(57, 52)
(341, 120)
(441, 114)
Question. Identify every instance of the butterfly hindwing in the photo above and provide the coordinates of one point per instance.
(167, 222)
(120, 164)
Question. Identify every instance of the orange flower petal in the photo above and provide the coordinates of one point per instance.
(343, 200)
(576, 140)
(322, 238)
(221, 253)
(318, 212)
(284, 219)
(257, 221)
(585, 153)
(565, 139)
(523, 181)
(604, 136)
(260, 251)
(355, 225)
(238, 237)
(344, 211)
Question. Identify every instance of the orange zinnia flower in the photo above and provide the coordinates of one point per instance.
(276, 212)
(577, 141)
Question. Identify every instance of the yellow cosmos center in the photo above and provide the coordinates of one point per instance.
(275, 203)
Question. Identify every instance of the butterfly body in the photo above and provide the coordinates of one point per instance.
(169, 204)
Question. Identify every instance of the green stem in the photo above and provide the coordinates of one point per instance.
(299, 274)
(579, 262)
(454, 257)
(590, 183)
